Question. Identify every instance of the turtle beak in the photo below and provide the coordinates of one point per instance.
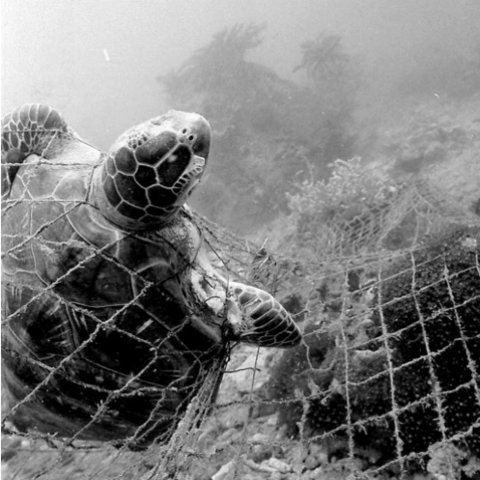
(195, 170)
(198, 161)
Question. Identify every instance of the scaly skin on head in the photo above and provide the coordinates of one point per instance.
(151, 170)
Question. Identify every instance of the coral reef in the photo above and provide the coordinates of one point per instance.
(412, 380)
(431, 310)
(268, 130)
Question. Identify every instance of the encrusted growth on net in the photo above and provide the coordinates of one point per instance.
(404, 368)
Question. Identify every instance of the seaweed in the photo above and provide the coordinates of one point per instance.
(268, 130)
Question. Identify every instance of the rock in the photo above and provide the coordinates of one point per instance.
(223, 473)
(243, 376)
(278, 465)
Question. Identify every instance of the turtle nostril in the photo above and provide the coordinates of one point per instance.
(186, 135)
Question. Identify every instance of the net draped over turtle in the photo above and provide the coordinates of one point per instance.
(113, 313)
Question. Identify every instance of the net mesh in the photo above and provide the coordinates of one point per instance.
(385, 382)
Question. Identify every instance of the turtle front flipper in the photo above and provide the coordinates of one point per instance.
(29, 129)
(258, 318)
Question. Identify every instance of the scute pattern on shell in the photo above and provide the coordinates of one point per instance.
(152, 169)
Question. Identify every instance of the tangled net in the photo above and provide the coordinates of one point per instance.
(385, 383)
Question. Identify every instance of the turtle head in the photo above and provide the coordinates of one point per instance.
(151, 170)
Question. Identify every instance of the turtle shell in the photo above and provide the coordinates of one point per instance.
(102, 336)
(113, 316)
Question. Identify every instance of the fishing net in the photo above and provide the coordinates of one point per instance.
(384, 384)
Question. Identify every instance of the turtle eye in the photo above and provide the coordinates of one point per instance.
(174, 165)
(201, 146)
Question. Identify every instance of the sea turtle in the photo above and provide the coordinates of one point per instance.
(112, 310)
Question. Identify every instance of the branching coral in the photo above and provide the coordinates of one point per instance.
(344, 209)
